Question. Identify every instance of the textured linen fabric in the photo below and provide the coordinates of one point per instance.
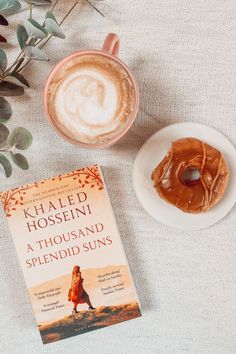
(183, 54)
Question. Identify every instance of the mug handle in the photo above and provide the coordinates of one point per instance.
(111, 44)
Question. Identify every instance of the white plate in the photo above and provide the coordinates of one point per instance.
(150, 155)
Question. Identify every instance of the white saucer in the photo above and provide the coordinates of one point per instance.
(150, 155)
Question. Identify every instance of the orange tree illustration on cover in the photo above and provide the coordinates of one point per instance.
(85, 176)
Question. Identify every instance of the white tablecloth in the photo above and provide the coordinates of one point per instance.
(183, 54)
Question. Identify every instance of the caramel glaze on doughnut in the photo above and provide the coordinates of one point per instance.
(195, 196)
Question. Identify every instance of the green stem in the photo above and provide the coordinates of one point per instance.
(15, 62)
(95, 8)
(68, 13)
(54, 5)
(50, 36)
(18, 57)
(31, 10)
(7, 149)
(60, 23)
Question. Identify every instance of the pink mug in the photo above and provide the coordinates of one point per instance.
(110, 50)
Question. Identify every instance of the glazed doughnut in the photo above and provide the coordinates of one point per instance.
(192, 176)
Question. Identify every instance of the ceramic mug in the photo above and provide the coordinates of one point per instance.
(110, 50)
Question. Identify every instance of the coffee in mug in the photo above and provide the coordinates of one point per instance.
(91, 97)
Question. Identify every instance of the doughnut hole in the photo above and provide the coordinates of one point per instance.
(190, 176)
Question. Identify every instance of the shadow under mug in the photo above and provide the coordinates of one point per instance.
(110, 50)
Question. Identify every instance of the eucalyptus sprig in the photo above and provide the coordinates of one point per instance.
(19, 138)
(32, 36)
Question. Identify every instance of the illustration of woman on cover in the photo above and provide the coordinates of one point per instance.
(77, 294)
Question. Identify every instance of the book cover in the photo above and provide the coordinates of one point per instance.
(71, 254)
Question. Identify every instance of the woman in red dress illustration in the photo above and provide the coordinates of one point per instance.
(77, 294)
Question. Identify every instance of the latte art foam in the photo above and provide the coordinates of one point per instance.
(91, 98)
(88, 102)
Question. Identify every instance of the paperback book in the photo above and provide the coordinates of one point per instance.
(71, 254)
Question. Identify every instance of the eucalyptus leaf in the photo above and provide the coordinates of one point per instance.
(17, 79)
(3, 60)
(4, 132)
(8, 7)
(20, 160)
(49, 14)
(9, 89)
(53, 28)
(5, 110)
(20, 138)
(35, 53)
(34, 29)
(6, 165)
(38, 2)
(22, 35)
